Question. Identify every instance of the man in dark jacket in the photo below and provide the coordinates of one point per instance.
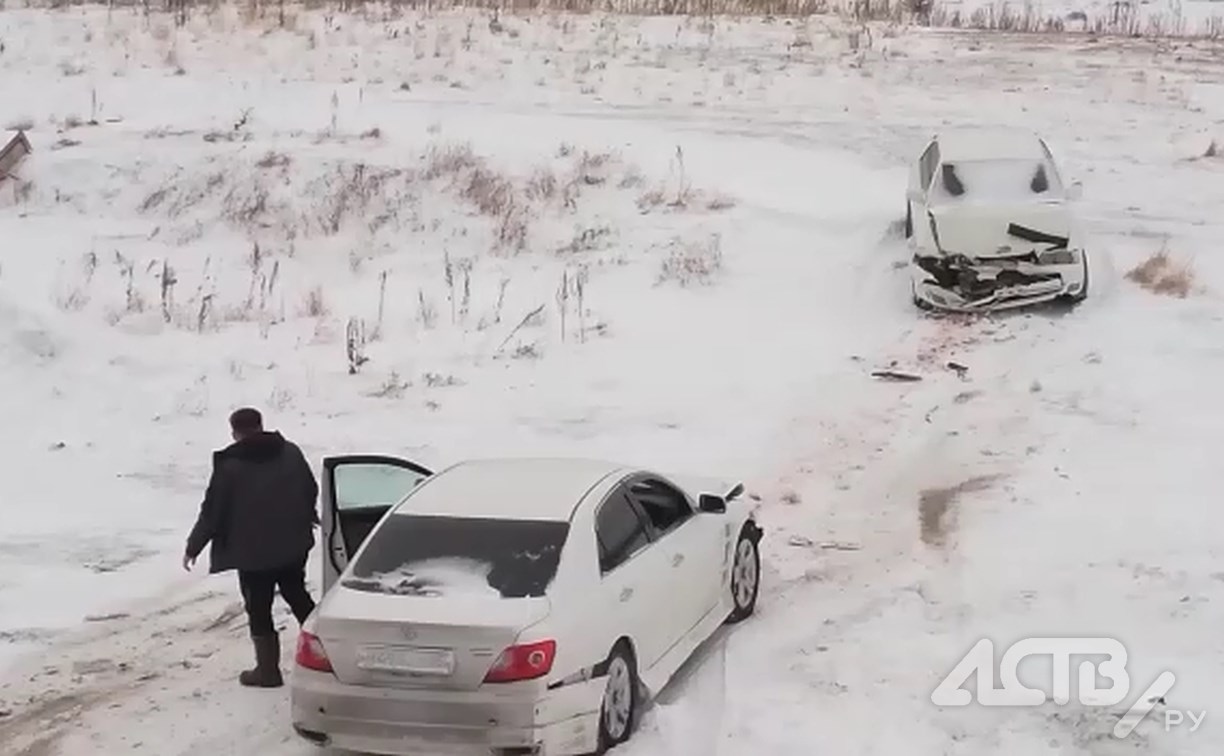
(259, 515)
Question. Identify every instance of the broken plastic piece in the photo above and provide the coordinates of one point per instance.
(896, 375)
(13, 149)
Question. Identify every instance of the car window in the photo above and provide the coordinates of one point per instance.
(995, 181)
(619, 530)
(427, 555)
(664, 505)
(366, 485)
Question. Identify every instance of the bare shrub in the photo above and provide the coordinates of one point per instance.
(71, 68)
(690, 263)
(280, 399)
(354, 344)
(350, 191)
(527, 352)
(78, 296)
(591, 169)
(438, 380)
(541, 186)
(273, 160)
(650, 199)
(491, 193)
(427, 314)
(167, 280)
(21, 124)
(448, 160)
(315, 306)
(392, 388)
(1160, 275)
(586, 239)
(511, 231)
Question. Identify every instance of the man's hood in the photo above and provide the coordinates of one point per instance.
(260, 447)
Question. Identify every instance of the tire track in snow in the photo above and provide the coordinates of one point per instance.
(105, 666)
(862, 461)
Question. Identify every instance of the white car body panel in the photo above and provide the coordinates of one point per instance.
(999, 244)
(666, 599)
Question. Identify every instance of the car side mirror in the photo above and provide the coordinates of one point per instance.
(711, 503)
(1075, 191)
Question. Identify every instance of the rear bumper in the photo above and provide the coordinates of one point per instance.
(401, 722)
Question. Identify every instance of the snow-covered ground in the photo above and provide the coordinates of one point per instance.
(720, 201)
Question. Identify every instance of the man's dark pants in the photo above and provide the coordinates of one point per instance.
(259, 590)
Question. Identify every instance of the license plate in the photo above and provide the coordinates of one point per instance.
(407, 659)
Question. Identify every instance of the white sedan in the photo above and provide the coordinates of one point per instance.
(990, 224)
(511, 606)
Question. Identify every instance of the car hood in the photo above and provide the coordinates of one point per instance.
(992, 230)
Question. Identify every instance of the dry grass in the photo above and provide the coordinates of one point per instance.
(1159, 274)
(314, 305)
(689, 263)
(1121, 19)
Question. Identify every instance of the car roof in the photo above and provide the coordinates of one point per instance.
(519, 488)
(987, 143)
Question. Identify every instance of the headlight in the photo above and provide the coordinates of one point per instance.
(1058, 257)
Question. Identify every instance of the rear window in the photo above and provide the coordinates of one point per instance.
(1001, 180)
(419, 555)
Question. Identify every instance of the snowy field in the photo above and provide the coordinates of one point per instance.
(673, 242)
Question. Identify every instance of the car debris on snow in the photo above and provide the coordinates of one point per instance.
(107, 617)
(14, 146)
(805, 542)
(896, 375)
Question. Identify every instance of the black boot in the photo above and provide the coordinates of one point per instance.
(266, 673)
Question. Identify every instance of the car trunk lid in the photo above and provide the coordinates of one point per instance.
(440, 642)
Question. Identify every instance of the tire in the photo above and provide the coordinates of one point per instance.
(616, 722)
(745, 574)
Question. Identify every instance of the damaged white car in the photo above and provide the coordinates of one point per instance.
(990, 224)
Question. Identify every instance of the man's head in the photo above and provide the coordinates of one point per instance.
(245, 422)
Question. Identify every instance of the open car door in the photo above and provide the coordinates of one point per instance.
(356, 491)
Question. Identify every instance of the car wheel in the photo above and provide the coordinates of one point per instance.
(745, 575)
(620, 700)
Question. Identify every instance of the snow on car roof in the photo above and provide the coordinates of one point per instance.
(986, 143)
(514, 488)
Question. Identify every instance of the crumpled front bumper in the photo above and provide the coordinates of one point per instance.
(1049, 282)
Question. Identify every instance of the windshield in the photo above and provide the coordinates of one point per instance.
(419, 555)
(990, 181)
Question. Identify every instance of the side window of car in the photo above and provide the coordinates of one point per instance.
(665, 506)
(927, 164)
(619, 531)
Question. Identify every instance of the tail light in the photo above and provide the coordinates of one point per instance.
(311, 654)
(523, 662)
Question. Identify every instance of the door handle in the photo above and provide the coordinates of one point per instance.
(626, 594)
(677, 559)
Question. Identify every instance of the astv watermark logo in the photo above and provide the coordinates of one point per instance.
(981, 660)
